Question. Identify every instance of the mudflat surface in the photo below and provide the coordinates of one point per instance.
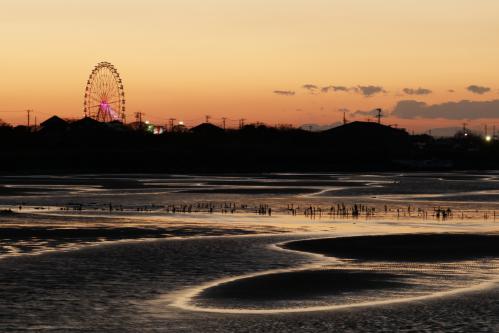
(405, 247)
(308, 283)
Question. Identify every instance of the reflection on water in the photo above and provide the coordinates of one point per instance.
(460, 192)
(333, 283)
(129, 285)
(171, 248)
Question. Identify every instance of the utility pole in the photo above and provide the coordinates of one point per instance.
(29, 113)
(35, 124)
(379, 115)
(344, 118)
(138, 118)
(207, 118)
(241, 123)
(223, 122)
(171, 123)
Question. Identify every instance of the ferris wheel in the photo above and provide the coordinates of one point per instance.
(104, 94)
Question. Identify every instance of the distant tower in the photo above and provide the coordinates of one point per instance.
(29, 116)
(379, 115)
(344, 117)
(171, 123)
(138, 117)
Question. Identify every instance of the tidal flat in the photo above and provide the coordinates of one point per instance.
(249, 253)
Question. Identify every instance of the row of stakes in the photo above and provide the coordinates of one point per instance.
(339, 210)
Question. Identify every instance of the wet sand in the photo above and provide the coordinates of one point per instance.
(131, 286)
(302, 284)
(277, 190)
(406, 247)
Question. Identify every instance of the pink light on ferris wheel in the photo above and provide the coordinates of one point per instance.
(106, 107)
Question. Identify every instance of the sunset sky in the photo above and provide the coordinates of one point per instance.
(263, 60)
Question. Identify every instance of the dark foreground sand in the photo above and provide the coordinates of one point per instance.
(302, 284)
(406, 247)
(110, 288)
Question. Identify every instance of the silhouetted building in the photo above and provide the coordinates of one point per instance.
(366, 129)
(54, 125)
(86, 124)
(207, 129)
(369, 138)
(180, 128)
(136, 126)
(117, 126)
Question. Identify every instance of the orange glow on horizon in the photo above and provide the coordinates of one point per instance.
(186, 59)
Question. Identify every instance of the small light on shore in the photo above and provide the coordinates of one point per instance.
(488, 138)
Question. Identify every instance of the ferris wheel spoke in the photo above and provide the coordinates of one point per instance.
(94, 106)
(111, 88)
(95, 99)
(112, 95)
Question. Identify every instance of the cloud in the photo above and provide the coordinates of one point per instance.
(318, 127)
(478, 89)
(369, 91)
(444, 131)
(418, 91)
(312, 88)
(411, 109)
(371, 113)
(451, 91)
(284, 92)
(334, 88)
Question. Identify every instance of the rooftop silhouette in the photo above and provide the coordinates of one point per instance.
(59, 145)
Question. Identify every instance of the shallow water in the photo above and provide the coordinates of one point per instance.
(105, 253)
(134, 286)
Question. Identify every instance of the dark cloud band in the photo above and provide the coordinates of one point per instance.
(465, 109)
(284, 92)
(418, 91)
(478, 89)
